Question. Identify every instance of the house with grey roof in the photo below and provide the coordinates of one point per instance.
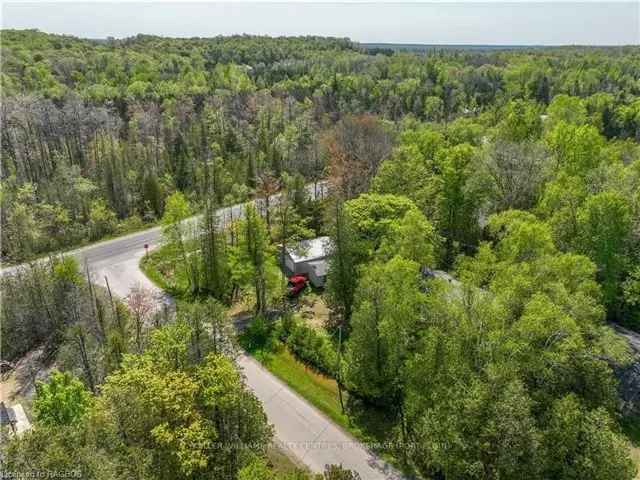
(309, 257)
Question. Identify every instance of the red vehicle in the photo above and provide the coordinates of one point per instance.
(297, 283)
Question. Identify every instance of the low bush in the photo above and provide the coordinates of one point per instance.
(131, 224)
(309, 344)
(259, 337)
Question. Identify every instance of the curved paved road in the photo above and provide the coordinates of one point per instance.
(305, 431)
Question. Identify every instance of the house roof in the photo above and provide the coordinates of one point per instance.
(310, 250)
(5, 418)
(20, 417)
(320, 267)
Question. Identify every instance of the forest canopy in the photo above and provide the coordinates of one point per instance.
(98, 133)
(484, 214)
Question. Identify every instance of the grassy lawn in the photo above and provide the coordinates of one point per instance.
(635, 456)
(631, 427)
(160, 267)
(320, 390)
(281, 462)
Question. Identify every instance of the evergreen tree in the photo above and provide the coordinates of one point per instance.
(342, 275)
(152, 194)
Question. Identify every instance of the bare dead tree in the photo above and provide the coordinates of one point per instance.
(141, 303)
(356, 147)
(267, 186)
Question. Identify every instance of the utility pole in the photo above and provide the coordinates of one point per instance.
(338, 375)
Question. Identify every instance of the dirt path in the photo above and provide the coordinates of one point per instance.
(19, 385)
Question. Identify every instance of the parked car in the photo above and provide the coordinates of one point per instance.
(296, 284)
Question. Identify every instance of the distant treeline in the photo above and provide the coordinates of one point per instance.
(97, 134)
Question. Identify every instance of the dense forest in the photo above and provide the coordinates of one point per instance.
(515, 171)
(97, 134)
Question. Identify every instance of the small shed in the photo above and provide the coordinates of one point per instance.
(15, 418)
(309, 257)
(5, 416)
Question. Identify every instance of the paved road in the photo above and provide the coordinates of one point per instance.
(308, 433)
(305, 431)
(118, 259)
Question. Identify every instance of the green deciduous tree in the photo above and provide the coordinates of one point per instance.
(559, 205)
(253, 261)
(604, 226)
(22, 232)
(575, 149)
(565, 108)
(481, 429)
(192, 420)
(412, 237)
(102, 220)
(63, 400)
(495, 352)
(409, 170)
(372, 216)
(176, 234)
(458, 199)
(631, 295)
(520, 122)
(583, 444)
(160, 416)
(388, 310)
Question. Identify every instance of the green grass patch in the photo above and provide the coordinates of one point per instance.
(631, 428)
(164, 269)
(320, 390)
(281, 463)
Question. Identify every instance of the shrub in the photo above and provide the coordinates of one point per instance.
(62, 401)
(102, 220)
(309, 344)
(130, 224)
(259, 336)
